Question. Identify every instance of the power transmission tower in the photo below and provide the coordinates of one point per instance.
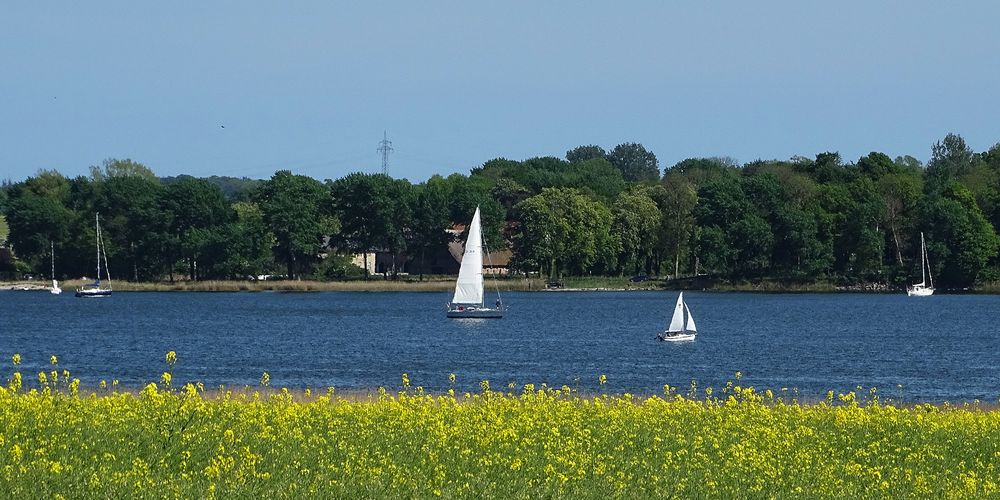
(385, 147)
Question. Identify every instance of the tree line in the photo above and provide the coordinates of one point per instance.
(594, 212)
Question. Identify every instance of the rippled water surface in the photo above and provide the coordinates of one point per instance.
(938, 348)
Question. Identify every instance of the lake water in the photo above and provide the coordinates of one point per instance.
(938, 348)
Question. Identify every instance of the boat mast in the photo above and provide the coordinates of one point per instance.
(97, 223)
(52, 253)
(925, 262)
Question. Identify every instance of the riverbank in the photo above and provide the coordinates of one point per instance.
(431, 284)
(447, 283)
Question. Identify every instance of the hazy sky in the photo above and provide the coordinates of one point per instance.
(245, 88)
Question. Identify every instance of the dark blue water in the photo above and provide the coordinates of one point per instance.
(938, 348)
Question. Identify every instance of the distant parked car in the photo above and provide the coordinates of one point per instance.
(553, 284)
(639, 278)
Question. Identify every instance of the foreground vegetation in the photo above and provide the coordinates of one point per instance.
(527, 442)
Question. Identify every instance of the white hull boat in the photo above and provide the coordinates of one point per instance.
(922, 289)
(681, 329)
(468, 301)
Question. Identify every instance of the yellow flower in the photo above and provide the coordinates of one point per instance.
(171, 358)
(603, 379)
(451, 378)
(406, 380)
(16, 358)
(166, 378)
(54, 360)
(265, 379)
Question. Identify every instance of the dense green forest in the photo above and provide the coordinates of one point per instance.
(595, 212)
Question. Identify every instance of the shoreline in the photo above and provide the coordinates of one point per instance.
(439, 284)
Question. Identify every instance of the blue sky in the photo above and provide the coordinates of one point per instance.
(310, 86)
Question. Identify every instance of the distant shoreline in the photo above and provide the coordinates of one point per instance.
(439, 285)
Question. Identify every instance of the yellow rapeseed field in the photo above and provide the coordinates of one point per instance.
(57, 441)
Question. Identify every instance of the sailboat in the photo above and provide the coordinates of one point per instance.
(55, 284)
(468, 301)
(679, 331)
(922, 289)
(95, 289)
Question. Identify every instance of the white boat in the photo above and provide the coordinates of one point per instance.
(679, 330)
(96, 289)
(468, 301)
(55, 284)
(922, 289)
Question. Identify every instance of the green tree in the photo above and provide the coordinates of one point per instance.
(198, 212)
(4, 230)
(676, 199)
(950, 158)
(37, 216)
(429, 224)
(249, 242)
(296, 210)
(635, 163)
(120, 168)
(581, 154)
(133, 225)
(635, 219)
(960, 240)
(563, 231)
(373, 210)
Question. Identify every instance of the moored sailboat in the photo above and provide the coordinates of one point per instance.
(55, 290)
(679, 329)
(468, 301)
(96, 289)
(922, 289)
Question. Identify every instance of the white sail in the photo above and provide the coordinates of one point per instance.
(677, 322)
(690, 324)
(469, 288)
(55, 284)
(926, 261)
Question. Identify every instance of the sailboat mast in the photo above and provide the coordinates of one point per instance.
(52, 253)
(926, 260)
(97, 223)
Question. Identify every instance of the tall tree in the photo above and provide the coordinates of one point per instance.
(676, 199)
(198, 211)
(583, 153)
(296, 208)
(249, 242)
(429, 224)
(635, 163)
(562, 231)
(635, 219)
(960, 239)
(374, 210)
(950, 158)
(134, 225)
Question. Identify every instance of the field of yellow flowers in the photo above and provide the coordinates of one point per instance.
(56, 440)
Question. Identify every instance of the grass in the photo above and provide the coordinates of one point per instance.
(524, 442)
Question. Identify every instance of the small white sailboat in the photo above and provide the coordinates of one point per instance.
(922, 289)
(468, 301)
(679, 330)
(96, 289)
(55, 284)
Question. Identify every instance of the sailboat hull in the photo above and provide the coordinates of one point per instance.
(676, 336)
(474, 312)
(919, 292)
(93, 293)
